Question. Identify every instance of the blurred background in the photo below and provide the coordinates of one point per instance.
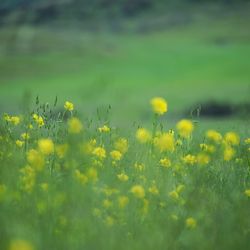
(96, 53)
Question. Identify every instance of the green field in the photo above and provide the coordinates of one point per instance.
(204, 59)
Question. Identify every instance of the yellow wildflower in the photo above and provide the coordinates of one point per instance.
(116, 155)
(74, 126)
(165, 162)
(35, 159)
(203, 159)
(189, 159)
(82, 178)
(100, 152)
(247, 192)
(191, 223)
(19, 143)
(69, 106)
(25, 136)
(165, 142)
(232, 138)
(104, 129)
(214, 136)
(138, 191)
(185, 128)
(143, 135)
(174, 195)
(123, 177)
(122, 145)
(46, 146)
(229, 153)
(247, 141)
(39, 120)
(61, 150)
(20, 244)
(159, 105)
(123, 201)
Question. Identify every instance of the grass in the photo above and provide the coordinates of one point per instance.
(62, 187)
(205, 59)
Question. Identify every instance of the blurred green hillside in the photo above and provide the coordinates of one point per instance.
(187, 57)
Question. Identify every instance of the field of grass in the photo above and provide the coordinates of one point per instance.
(84, 185)
(113, 170)
(191, 63)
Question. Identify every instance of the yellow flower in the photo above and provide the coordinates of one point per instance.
(229, 153)
(74, 126)
(122, 201)
(61, 150)
(203, 159)
(191, 223)
(214, 136)
(19, 244)
(185, 128)
(159, 105)
(122, 177)
(25, 136)
(15, 120)
(165, 142)
(82, 178)
(27, 179)
(46, 146)
(39, 120)
(35, 159)
(104, 129)
(138, 191)
(107, 203)
(189, 159)
(143, 135)
(153, 190)
(247, 192)
(165, 162)
(19, 143)
(92, 174)
(232, 138)
(174, 195)
(247, 141)
(139, 166)
(116, 155)
(100, 152)
(122, 145)
(69, 106)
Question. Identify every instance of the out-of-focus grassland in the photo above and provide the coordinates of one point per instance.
(204, 59)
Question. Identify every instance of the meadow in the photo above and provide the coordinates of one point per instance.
(103, 139)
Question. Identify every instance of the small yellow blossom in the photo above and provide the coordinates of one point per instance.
(116, 155)
(38, 119)
(19, 143)
(123, 201)
(46, 146)
(74, 125)
(165, 142)
(104, 129)
(61, 150)
(153, 190)
(159, 105)
(165, 162)
(107, 203)
(143, 135)
(82, 178)
(174, 195)
(122, 145)
(100, 152)
(229, 153)
(69, 106)
(247, 141)
(189, 159)
(35, 159)
(191, 223)
(139, 166)
(214, 136)
(122, 177)
(138, 191)
(185, 128)
(203, 159)
(20, 244)
(247, 192)
(232, 138)
(25, 136)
